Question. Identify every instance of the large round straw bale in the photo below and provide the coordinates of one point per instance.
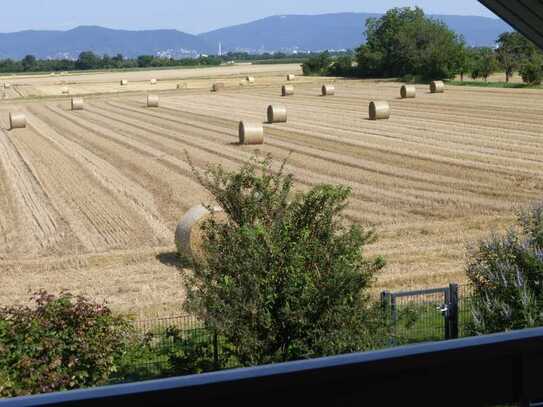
(251, 133)
(17, 121)
(182, 86)
(437, 87)
(77, 104)
(153, 81)
(379, 110)
(291, 77)
(408, 91)
(7, 85)
(287, 90)
(124, 82)
(189, 234)
(328, 90)
(218, 86)
(277, 114)
(65, 90)
(250, 79)
(153, 101)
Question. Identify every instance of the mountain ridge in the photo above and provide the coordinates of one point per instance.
(287, 33)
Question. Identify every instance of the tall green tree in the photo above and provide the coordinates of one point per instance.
(405, 42)
(513, 51)
(29, 63)
(88, 60)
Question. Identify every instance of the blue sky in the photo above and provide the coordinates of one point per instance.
(193, 16)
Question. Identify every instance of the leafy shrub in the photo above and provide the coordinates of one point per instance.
(64, 342)
(506, 273)
(317, 64)
(285, 277)
(532, 71)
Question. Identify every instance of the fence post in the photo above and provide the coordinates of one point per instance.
(453, 312)
(384, 300)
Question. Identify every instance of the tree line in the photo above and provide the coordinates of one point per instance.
(404, 43)
(88, 60)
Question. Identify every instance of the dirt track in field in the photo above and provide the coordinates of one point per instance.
(89, 200)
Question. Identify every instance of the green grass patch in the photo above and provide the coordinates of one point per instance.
(502, 85)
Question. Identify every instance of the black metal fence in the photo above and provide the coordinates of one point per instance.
(173, 345)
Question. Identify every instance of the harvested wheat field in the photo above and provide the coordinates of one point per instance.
(90, 199)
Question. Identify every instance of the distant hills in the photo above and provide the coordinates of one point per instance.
(279, 33)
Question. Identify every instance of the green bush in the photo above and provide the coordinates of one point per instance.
(506, 273)
(317, 64)
(286, 276)
(532, 71)
(62, 343)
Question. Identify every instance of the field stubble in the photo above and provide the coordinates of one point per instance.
(89, 200)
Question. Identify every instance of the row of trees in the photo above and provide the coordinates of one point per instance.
(89, 60)
(406, 43)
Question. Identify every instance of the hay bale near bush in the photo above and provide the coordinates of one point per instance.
(328, 90)
(277, 114)
(153, 101)
(189, 234)
(437, 87)
(251, 133)
(124, 82)
(408, 92)
(250, 79)
(291, 77)
(17, 121)
(153, 81)
(287, 90)
(218, 86)
(379, 110)
(77, 104)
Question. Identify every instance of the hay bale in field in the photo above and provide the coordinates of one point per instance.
(277, 114)
(182, 86)
(291, 77)
(124, 82)
(218, 86)
(408, 92)
(379, 110)
(437, 87)
(7, 85)
(287, 90)
(251, 133)
(250, 79)
(328, 90)
(17, 121)
(153, 81)
(189, 234)
(77, 104)
(153, 101)
(65, 90)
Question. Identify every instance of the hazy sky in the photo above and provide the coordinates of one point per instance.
(194, 16)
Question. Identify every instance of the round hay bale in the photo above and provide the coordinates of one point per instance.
(77, 104)
(218, 86)
(328, 90)
(7, 85)
(251, 133)
(17, 121)
(124, 82)
(181, 86)
(437, 87)
(189, 234)
(277, 114)
(153, 81)
(291, 77)
(379, 110)
(153, 101)
(250, 79)
(287, 90)
(408, 92)
(65, 90)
